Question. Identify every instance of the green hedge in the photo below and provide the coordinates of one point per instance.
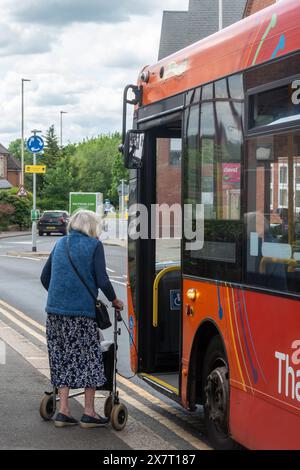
(22, 206)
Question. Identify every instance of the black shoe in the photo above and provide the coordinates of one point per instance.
(87, 422)
(64, 420)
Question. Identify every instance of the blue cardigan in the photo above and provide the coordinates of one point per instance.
(66, 293)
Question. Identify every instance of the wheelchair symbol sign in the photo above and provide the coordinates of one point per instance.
(175, 299)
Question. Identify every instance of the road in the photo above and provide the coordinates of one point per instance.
(155, 422)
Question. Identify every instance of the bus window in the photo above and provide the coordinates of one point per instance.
(212, 169)
(273, 212)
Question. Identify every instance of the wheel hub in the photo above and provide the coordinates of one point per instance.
(217, 398)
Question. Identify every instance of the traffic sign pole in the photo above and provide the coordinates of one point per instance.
(34, 208)
(35, 144)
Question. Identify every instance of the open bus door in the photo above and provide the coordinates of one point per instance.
(154, 262)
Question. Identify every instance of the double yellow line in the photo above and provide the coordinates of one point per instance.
(19, 318)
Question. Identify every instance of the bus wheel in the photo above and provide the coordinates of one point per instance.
(216, 396)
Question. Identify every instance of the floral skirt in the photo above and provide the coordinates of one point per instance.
(74, 350)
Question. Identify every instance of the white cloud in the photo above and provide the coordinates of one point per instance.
(80, 67)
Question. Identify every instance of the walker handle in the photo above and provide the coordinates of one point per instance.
(119, 316)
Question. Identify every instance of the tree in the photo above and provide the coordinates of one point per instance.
(94, 160)
(119, 172)
(58, 183)
(52, 153)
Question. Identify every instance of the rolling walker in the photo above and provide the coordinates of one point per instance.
(114, 410)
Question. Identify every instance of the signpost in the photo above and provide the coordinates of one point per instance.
(35, 169)
(22, 191)
(35, 144)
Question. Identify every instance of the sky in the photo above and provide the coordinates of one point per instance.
(79, 56)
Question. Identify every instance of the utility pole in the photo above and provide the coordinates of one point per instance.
(22, 131)
(220, 15)
(61, 127)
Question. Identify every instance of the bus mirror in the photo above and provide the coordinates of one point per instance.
(133, 149)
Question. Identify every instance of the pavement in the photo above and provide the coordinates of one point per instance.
(21, 390)
(13, 234)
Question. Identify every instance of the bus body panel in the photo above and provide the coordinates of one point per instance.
(263, 356)
(132, 323)
(268, 34)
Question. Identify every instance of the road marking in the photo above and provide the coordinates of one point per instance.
(180, 414)
(23, 326)
(110, 270)
(117, 277)
(134, 433)
(21, 257)
(23, 316)
(118, 282)
(170, 425)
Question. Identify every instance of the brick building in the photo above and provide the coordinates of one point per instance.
(182, 28)
(252, 6)
(10, 169)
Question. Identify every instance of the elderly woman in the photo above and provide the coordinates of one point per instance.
(73, 337)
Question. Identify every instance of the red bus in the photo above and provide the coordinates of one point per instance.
(219, 325)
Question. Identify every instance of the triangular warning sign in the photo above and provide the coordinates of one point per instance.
(22, 191)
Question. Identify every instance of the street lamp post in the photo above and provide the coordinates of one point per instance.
(220, 15)
(22, 137)
(61, 132)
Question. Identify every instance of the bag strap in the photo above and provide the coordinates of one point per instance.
(78, 274)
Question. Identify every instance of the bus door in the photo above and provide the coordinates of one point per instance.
(158, 261)
(166, 286)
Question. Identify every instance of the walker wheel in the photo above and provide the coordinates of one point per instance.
(108, 406)
(47, 409)
(119, 416)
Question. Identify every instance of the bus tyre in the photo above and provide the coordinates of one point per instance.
(216, 396)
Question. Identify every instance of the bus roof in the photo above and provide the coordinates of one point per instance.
(270, 33)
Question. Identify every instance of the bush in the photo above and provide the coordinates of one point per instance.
(20, 208)
(6, 210)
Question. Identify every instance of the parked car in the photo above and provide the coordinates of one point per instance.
(53, 222)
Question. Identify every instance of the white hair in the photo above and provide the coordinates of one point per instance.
(87, 222)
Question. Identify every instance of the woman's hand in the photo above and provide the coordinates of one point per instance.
(118, 304)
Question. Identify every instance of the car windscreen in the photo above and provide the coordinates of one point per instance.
(53, 215)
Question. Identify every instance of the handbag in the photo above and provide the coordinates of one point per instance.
(101, 312)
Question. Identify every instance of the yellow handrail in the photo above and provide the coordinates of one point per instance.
(155, 291)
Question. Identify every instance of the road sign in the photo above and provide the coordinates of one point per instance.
(35, 214)
(35, 144)
(35, 169)
(22, 192)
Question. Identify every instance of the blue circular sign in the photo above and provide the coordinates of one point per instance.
(35, 144)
